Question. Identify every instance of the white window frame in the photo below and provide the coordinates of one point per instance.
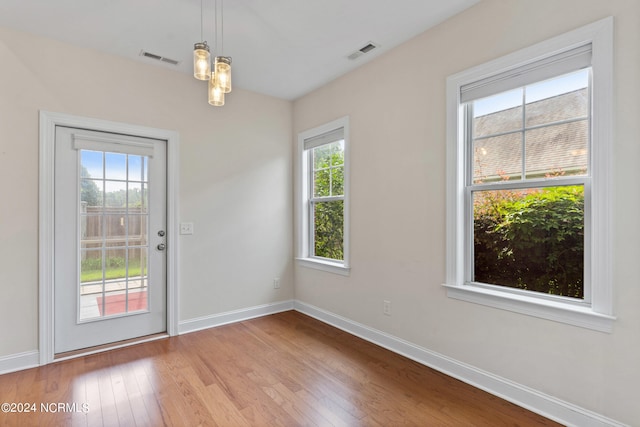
(597, 311)
(305, 227)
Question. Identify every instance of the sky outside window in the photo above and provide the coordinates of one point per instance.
(535, 92)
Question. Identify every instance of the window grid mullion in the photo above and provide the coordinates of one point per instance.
(326, 199)
(312, 223)
(468, 201)
(531, 183)
(535, 127)
(469, 144)
(588, 211)
(523, 140)
(330, 172)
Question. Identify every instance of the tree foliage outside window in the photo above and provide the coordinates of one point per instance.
(329, 226)
(531, 239)
(135, 196)
(327, 203)
(89, 191)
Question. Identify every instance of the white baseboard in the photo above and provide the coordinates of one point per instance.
(31, 359)
(533, 400)
(212, 321)
(19, 361)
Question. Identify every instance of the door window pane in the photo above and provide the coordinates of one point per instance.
(91, 266)
(115, 166)
(137, 168)
(115, 194)
(138, 196)
(91, 164)
(138, 266)
(114, 238)
(91, 192)
(91, 231)
(115, 226)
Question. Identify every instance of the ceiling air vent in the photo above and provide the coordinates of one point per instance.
(364, 49)
(159, 58)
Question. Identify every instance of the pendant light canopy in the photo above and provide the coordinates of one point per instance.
(219, 74)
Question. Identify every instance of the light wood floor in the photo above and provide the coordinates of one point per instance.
(281, 370)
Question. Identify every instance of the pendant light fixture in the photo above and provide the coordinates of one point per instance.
(201, 61)
(201, 55)
(222, 74)
(220, 82)
(222, 64)
(218, 76)
(216, 94)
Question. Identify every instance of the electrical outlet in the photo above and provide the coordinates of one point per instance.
(186, 228)
(276, 283)
(386, 307)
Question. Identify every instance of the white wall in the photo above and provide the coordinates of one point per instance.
(235, 181)
(396, 106)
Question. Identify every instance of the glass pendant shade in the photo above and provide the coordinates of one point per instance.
(216, 94)
(201, 61)
(222, 73)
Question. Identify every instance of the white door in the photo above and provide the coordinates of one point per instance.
(109, 238)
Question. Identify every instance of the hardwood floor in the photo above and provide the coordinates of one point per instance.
(285, 369)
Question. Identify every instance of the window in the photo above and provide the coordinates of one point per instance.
(528, 160)
(324, 196)
(528, 151)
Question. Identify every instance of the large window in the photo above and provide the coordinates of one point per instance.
(324, 187)
(528, 151)
(529, 147)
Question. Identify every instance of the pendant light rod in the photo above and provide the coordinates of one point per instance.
(201, 21)
(201, 54)
(215, 27)
(222, 27)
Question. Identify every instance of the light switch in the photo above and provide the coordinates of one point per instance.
(186, 228)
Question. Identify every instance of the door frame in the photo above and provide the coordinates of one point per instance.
(48, 122)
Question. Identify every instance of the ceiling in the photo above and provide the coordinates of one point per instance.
(283, 48)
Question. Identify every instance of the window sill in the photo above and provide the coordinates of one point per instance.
(325, 265)
(583, 317)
